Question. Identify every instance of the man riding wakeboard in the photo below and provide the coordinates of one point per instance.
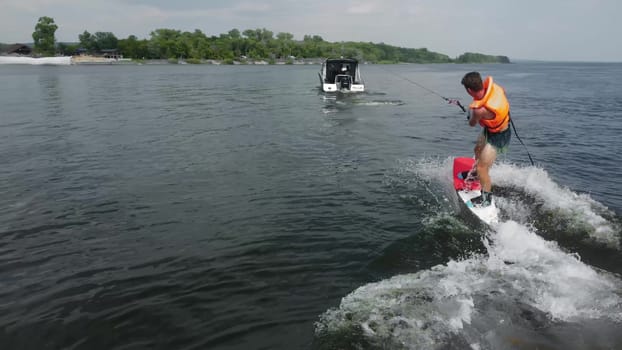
(491, 109)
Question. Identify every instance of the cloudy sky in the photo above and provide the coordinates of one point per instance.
(568, 30)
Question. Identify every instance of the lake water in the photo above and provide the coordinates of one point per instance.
(237, 207)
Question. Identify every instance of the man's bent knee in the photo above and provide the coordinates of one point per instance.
(488, 155)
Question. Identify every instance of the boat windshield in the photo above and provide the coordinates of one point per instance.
(340, 67)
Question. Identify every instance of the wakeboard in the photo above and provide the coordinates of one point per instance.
(468, 187)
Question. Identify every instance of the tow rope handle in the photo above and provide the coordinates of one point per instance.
(455, 102)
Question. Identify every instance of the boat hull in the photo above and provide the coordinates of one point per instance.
(335, 88)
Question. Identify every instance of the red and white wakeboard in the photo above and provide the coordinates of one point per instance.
(468, 188)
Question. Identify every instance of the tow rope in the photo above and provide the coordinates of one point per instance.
(449, 100)
(521, 141)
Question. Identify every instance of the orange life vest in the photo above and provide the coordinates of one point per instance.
(495, 101)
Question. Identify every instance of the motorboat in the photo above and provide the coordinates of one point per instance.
(341, 75)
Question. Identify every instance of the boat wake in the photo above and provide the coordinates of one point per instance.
(345, 102)
(521, 291)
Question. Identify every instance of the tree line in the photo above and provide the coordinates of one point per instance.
(253, 44)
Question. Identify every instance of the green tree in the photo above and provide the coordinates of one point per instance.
(261, 44)
(284, 44)
(66, 49)
(129, 46)
(87, 41)
(472, 57)
(235, 33)
(98, 41)
(163, 43)
(250, 34)
(44, 36)
(133, 48)
(105, 40)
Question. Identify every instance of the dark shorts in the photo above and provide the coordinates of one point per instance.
(500, 141)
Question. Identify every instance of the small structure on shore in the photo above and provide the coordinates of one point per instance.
(18, 50)
(105, 56)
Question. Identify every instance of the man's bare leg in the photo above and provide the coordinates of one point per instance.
(487, 157)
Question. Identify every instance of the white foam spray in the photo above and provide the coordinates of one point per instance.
(521, 283)
(580, 207)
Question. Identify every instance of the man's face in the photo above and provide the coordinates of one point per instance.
(470, 92)
(475, 94)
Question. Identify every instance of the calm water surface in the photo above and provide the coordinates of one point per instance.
(222, 207)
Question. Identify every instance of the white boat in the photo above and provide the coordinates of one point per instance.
(55, 61)
(341, 75)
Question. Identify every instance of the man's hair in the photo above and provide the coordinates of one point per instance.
(473, 81)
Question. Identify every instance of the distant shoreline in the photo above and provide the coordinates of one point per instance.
(97, 60)
(248, 62)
